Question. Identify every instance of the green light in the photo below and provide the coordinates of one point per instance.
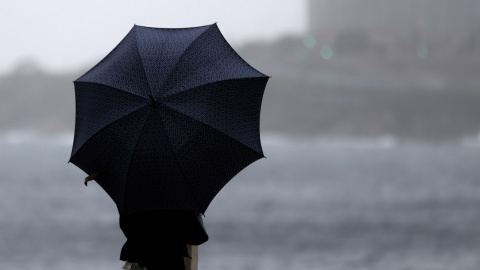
(326, 52)
(309, 41)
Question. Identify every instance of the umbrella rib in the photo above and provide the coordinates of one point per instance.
(130, 162)
(225, 80)
(116, 88)
(191, 117)
(183, 54)
(143, 67)
(113, 122)
(178, 163)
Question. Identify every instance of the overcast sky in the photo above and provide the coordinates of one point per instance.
(65, 35)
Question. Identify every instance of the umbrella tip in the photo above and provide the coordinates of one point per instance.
(153, 101)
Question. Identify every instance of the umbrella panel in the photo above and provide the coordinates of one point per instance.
(109, 152)
(98, 106)
(230, 106)
(211, 164)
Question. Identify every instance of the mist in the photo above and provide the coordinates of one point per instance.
(369, 123)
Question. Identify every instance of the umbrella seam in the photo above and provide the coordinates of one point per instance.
(102, 84)
(238, 55)
(192, 89)
(188, 150)
(189, 116)
(182, 55)
(93, 135)
(178, 163)
(229, 46)
(130, 162)
(141, 60)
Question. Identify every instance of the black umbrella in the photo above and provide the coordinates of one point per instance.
(168, 118)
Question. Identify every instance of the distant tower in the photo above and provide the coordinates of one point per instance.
(346, 15)
(451, 24)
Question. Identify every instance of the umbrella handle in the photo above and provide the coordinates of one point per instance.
(92, 177)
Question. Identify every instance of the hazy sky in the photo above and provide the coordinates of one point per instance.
(65, 35)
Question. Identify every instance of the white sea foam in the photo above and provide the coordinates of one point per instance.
(384, 142)
(16, 137)
(470, 141)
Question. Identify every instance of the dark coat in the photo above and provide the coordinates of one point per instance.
(158, 239)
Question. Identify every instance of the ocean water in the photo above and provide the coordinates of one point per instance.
(312, 204)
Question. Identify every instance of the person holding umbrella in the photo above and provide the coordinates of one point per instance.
(158, 240)
(163, 123)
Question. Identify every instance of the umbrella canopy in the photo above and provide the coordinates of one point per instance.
(168, 118)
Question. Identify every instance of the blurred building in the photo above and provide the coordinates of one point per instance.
(443, 27)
